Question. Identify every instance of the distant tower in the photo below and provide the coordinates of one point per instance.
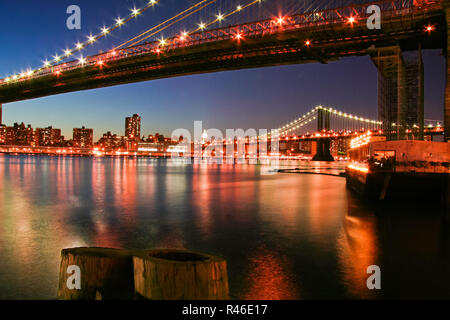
(133, 127)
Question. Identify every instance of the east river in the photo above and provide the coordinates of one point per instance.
(284, 236)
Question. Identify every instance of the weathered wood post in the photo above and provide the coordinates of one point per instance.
(180, 275)
(96, 274)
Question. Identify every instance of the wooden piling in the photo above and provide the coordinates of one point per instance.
(180, 275)
(103, 273)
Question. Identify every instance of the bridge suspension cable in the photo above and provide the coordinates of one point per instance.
(188, 12)
(201, 26)
(79, 46)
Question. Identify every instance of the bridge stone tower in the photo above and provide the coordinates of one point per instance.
(400, 91)
(323, 144)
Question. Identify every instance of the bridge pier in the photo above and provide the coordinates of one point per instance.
(323, 150)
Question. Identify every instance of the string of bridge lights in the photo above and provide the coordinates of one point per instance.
(91, 39)
(165, 22)
(349, 116)
(120, 22)
(308, 117)
(163, 42)
(202, 26)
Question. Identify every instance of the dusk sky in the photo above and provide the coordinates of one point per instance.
(257, 98)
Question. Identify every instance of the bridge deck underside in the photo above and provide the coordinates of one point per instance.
(328, 42)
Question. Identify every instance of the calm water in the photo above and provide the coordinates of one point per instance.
(285, 236)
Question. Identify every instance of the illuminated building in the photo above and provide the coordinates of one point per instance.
(23, 135)
(83, 137)
(7, 135)
(48, 136)
(133, 127)
(111, 141)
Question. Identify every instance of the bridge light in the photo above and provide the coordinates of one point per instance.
(79, 45)
(57, 58)
(152, 2)
(351, 20)
(162, 42)
(307, 43)
(82, 60)
(14, 77)
(183, 36)
(219, 17)
(201, 26)
(100, 63)
(280, 21)
(29, 73)
(7, 79)
(135, 12)
(238, 36)
(119, 21)
(105, 30)
(91, 38)
(67, 52)
(239, 8)
(46, 63)
(430, 28)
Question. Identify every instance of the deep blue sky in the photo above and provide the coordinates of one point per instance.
(258, 98)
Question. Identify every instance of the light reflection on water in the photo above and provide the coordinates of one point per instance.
(285, 236)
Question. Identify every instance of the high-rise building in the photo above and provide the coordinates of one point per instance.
(24, 135)
(83, 138)
(133, 127)
(48, 136)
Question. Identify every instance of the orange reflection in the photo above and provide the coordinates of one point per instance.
(268, 278)
(357, 248)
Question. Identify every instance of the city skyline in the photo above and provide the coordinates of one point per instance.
(25, 134)
(254, 98)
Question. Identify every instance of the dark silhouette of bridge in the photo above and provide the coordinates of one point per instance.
(318, 36)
